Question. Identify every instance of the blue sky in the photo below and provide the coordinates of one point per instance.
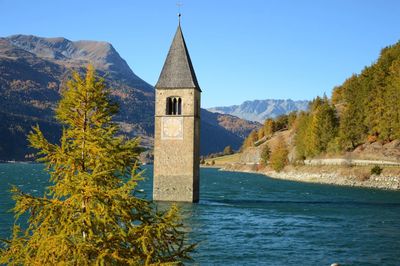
(241, 50)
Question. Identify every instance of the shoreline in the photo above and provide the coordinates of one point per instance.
(323, 175)
(15, 162)
(356, 176)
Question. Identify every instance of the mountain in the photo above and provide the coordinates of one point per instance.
(259, 110)
(33, 70)
(237, 126)
(102, 55)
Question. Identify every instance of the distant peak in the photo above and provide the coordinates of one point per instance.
(94, 42)
(34, 37)
(259, 110)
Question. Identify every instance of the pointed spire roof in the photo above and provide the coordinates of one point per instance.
(178, 70)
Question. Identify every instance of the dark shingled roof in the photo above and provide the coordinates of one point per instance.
(178, 70)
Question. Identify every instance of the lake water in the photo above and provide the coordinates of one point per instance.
(250, 219)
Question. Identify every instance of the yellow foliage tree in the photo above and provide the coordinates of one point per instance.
(279, 156)
(90, 215)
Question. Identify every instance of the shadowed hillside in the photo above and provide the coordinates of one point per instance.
(33, 70)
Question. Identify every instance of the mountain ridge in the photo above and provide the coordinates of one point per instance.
(33, 70)
(259, 110)
(102, 55)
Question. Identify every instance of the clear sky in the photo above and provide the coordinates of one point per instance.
(241, 49)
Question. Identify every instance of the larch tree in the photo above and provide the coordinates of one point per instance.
(265, 154)
(393, 102)
(292, 119)
(269, 127)
(390, 129)
(260, 133)
(279, 155)
(375, 103)
(315, 129)
(323, 127)
(89, 214)
(250, 140)
(352, 129)
(302, 136)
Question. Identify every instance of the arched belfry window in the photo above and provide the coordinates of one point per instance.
(174, 106)
(179, 106)
(169, 106)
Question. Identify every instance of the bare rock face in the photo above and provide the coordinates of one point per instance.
(377, 150)
(395, 144)
(250, 155)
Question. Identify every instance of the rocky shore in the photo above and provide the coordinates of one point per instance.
(356, 176)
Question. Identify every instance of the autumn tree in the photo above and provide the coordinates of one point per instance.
(269, 127)
(260, 133)
(323, 126)
(375, 80)
(315, 129)
(369, 102)
(279, 155)
(281, 122)
(392, 112)
(302, 135)
(292, 119)
(389, 123)
(265, 154)
(250, 140)
(89, 214)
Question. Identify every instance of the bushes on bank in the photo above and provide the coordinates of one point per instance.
(376, 170)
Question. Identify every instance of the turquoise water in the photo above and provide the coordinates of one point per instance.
(249, 219)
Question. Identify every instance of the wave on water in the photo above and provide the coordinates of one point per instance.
(214, 203)
(354, 203)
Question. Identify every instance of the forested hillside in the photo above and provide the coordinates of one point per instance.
(364, 109)
(369, 103)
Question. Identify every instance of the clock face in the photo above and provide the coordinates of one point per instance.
(172, 128)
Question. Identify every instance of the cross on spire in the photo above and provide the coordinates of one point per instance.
(179, 5)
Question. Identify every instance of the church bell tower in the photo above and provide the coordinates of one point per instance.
(177, 127)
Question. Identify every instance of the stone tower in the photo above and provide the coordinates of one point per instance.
(177, 127)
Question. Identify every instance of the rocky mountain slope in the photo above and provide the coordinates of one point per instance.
(259, 110)
(33, 70)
